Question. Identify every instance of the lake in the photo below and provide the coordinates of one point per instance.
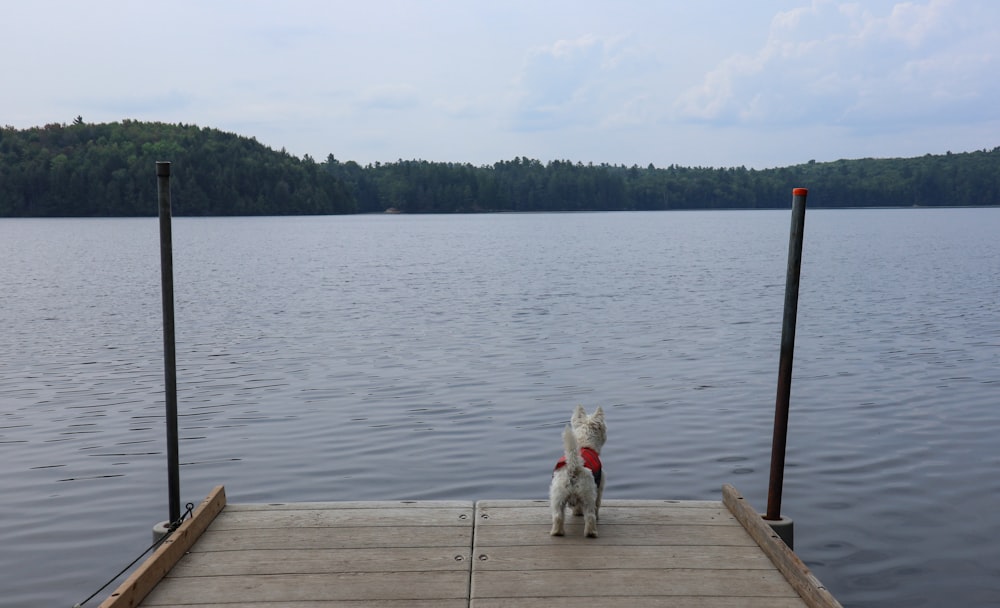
(438, 357)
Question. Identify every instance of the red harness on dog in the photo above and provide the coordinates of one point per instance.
(590, 461)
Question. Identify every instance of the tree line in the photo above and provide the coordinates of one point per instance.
(83, 169)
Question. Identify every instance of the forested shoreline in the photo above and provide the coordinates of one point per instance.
(99, 170)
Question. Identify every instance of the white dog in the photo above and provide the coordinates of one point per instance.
(578, 481)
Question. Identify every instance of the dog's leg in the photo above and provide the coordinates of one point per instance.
(558, 519)
(600, 493)
(590, 523)
(557, 502)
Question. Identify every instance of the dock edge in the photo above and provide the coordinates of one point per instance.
(809, 588)
(138, 585)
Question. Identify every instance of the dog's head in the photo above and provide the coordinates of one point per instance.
(590, 431)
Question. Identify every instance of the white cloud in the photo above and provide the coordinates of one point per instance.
(841, 64)
(554, 82)
(913, 23)
(583, 81)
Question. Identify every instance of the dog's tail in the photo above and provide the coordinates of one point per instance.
(574, 462)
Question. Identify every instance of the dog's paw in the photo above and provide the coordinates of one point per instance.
(556, 532)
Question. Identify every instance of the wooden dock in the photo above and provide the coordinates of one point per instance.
(487, 554)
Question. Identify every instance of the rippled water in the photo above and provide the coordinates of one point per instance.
(438, 357)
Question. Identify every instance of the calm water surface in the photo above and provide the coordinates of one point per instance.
(438, 357)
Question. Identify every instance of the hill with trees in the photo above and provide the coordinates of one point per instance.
(109, 170)
(84, 169)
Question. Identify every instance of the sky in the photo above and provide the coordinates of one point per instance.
(705, 83)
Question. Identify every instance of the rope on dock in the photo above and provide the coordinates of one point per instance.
(189, 507)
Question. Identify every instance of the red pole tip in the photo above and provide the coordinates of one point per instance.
(800, 191)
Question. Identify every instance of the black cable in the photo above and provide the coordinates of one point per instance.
(173, 526)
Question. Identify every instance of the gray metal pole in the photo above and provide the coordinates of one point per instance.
(787, 349)
(169, 351)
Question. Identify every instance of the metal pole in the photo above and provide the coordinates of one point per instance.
(787, 349)
(169, 352)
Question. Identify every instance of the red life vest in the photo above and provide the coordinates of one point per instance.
(590, 460)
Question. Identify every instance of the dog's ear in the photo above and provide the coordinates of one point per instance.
(579, 416)
(598, 415)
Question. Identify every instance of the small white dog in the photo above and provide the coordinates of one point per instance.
(578, 481)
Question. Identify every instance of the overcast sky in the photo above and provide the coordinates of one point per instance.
(758, 83)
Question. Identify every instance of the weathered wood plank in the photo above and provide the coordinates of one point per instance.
(610, 557)
(435, 603)
(641, 602)
(310, 587)
(538, 534)
(325, 518)
(335, 538)
(597, 583)
(141, 582)
(610, 515)
(364, 504)
(801, 579)
(614, 502)
(317, 561)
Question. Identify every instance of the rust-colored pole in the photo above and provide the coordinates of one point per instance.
(787, 349)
